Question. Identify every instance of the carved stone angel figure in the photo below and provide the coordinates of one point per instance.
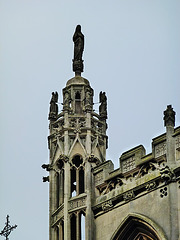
(53, 106)
(103, 104)
(78, 40)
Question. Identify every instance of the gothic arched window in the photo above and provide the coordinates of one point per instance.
(77, 176)
(73, 227)
(59, 179)
(78, 225)
(135, 228)
(57, 189)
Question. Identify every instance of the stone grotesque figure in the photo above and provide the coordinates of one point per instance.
(169, 116)
(53, 106)
(166, 174)
(78, 39)
(103, 105)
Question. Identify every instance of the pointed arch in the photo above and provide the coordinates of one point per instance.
(136, 227)
(81, 150)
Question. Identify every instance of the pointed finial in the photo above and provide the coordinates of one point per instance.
(78, 39)
(169, 116)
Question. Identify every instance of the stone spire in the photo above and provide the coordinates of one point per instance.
(78, 39)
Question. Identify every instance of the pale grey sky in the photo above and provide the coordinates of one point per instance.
(132, 52)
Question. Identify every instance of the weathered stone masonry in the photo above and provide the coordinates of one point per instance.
(90, 200)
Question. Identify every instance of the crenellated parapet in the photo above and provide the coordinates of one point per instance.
(138, 175)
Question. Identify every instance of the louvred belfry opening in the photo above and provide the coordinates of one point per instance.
(77, 176)
(78, 106)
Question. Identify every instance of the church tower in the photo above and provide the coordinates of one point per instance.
(77, 143)
(88, 199)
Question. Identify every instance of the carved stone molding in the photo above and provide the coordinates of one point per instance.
(111, 185)
(107, 205)
(128, 164)
(77, 203)
(160, 149)
(147, 168)
(77, 124)
(128, 196)
(151, 186)
(138, 188)
(99, 178)
(58, 132)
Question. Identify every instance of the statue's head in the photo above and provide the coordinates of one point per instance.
(78, 28)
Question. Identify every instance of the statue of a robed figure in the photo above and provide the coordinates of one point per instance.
(78, 39)
(53, 111)
(103, 105)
